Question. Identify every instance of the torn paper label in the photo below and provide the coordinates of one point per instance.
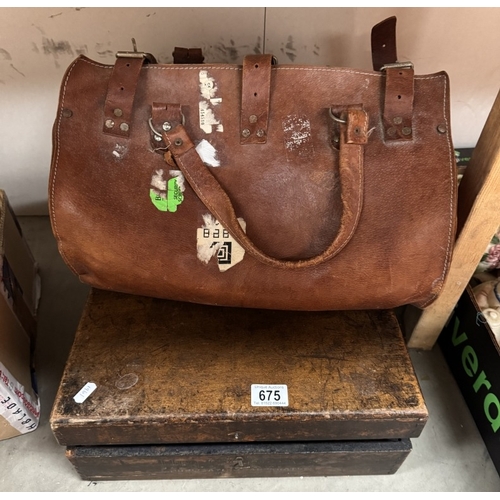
(179, 177)
(207, 153)
(207, 119)
(209, 101)
(214, 240)
(16, 405)
(166, 195)
(208, 87)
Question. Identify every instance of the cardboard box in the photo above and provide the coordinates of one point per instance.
(19, 295)
(473, 355)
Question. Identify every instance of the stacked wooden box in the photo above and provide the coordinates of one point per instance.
(173, 394)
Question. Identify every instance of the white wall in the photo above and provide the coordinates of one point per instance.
(37, 44)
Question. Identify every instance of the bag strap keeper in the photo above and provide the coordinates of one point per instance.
(120, 96)
(398, 102)
(255, 96)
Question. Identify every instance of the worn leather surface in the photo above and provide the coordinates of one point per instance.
(392, 202)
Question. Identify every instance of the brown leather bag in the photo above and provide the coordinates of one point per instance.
(262, 185)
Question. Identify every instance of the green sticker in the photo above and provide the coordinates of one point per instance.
(169, 202)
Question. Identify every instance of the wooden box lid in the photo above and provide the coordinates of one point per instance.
(174, 372)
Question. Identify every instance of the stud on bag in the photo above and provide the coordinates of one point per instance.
(262, 185)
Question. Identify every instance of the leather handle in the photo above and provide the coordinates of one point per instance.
(353, 137)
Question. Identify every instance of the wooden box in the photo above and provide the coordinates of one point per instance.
(173, 391)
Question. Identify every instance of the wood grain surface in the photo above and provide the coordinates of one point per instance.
(174, 372)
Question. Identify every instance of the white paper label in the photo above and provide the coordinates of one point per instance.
(269, 395)
(85, 392)
(16, 405)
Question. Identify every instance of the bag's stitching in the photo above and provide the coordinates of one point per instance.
(56, 164)
(452, 185)
(233, 68)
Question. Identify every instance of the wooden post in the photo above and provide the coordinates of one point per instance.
(478, 220)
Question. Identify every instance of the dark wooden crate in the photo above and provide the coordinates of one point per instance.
(239, 460)
(171, 372)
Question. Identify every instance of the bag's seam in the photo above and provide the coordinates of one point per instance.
(452, 185)
(237, 68)
(56, 165)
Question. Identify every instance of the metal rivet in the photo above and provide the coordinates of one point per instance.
(398, 120)
(166, 126)
(260, 133)
(178, 142)
(245, 132)
(67, 113)
(252, 118)
(391, 131)
(406, 131)
(157, 138)
(117, 112)
(441, 128)
(124, 127)
(109, 123)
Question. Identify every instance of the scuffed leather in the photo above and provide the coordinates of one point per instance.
(291, 191)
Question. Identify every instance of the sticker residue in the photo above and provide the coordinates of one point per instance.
(214, 240)
(207, 119)
(166, 195)
(119, 151)
(297, 135)
(208, 91)
(207, 153)
(208, 87)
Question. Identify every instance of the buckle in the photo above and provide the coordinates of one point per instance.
(397, 65)
(148, 58)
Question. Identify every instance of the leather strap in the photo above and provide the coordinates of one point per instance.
(183, 55)
(218, 203)
(383, 38)
(399, 82)
(120, 96)
(398, 103)
(255, 96)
